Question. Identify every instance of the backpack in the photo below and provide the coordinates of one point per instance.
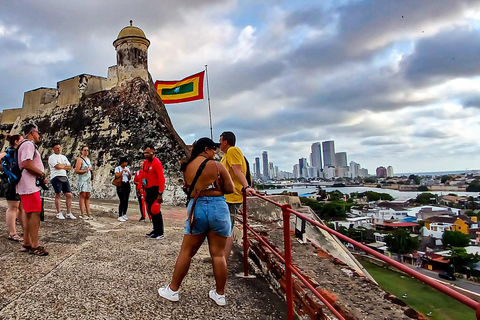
(10, 166)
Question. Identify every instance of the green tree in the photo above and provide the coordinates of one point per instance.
(370, 180)
(424, 198)
(375, 196)
(415, 179)
(459, 257)
(474, 186)
(333, 209)
(470, 213)
(455, 239)
(335, 195)
(400, 241)
(312, 203)
(445, 179)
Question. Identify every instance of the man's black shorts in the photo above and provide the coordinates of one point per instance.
(60, 186)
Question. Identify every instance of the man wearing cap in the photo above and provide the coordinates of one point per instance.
(59, 165)
(154, 186)
(236, 165)
(29, 159)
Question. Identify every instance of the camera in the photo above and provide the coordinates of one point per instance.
(39, 183)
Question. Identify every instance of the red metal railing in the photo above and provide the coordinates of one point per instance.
(289, 268)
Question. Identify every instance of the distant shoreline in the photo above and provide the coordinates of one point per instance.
(436, 173)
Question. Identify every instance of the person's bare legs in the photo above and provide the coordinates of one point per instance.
(11, 215)
(32, 226)
(228, 247)
(58, 197)
(21, 215)
(216, 245)
(68, 197)
(190, 245)
(81, 203)
(87, 203)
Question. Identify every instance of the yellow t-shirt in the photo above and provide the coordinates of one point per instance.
(234, 156)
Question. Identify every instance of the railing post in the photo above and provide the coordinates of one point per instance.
(288, 260)
(245, 236)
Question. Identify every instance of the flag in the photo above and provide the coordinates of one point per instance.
(188, 89)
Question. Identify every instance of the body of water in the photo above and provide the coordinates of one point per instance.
(398, 195)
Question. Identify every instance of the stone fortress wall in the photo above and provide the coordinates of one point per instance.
(115, 116)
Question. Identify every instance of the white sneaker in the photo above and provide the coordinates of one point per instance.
(121, 219)
(71, 216)
(167, 293)
(218, 298)
(60, 216)
(125, 217)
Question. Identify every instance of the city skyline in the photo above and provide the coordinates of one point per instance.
(341, 168)
(392, 82)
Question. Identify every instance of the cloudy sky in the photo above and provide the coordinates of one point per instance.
(391, 82)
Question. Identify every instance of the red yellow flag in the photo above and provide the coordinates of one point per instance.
(188, 89)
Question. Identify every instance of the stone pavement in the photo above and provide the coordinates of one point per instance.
(106, 269)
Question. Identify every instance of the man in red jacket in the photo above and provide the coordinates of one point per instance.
(154, 186)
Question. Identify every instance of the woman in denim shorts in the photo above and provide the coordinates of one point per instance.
(208, 217)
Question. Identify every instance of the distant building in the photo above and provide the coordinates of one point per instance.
(258, 175)
(381, 172)
(341, 159)
(328, 154)
(296, 173)
(363, 172)
(316, 156)
(354, 169)
(270, 170)
(389, 171)
(265, 165)
(341, 172)
(329, 172)
(312, 172)
(302, 164)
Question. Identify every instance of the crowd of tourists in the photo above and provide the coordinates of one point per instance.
(214, 191)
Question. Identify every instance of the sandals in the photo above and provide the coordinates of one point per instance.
(39, 251)
(15, 237)
(26, 249)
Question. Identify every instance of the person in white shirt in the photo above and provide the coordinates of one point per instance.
(59, 165)
(123, 191)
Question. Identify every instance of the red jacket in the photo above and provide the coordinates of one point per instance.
(153, 172)
(139, 176)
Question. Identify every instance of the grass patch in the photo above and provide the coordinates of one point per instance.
(420, 296)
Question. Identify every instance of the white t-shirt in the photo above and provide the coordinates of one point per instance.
(55, 159)
(125, 174)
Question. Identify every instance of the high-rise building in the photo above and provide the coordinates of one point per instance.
(381, 172)
(354, 169)
(258, 175)
(265, 165)
(302, 163)
(271, 170)
(312, 172)
(316, 156)
(328, 154)
(296, 173)
(341, 159)
(389, 171)
(275, 172)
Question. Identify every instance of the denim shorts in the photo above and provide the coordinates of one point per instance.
(211, 213)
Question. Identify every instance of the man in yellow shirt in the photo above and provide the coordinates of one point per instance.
(236, 165)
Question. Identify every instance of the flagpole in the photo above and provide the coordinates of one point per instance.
(209, 107)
